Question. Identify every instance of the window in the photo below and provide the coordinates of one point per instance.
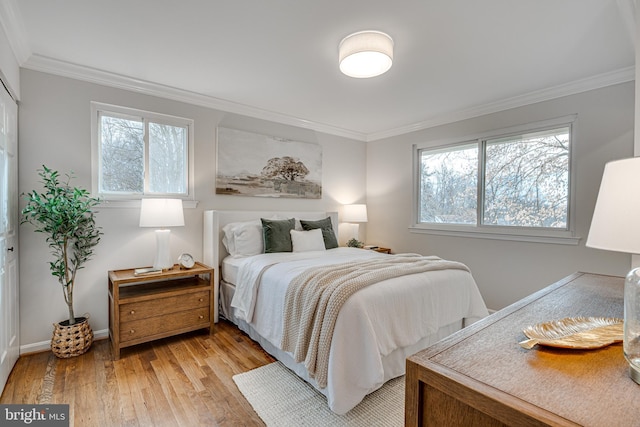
(448, 185)
(138, 153)
(513, 182)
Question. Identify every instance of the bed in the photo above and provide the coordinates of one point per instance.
(377, 326)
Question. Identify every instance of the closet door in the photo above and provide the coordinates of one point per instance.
(9, 222)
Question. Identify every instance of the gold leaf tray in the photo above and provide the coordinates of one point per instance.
(575, 333)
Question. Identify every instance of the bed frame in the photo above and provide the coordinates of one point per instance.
(213, 250)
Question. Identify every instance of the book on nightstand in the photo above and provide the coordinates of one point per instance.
(146, 271)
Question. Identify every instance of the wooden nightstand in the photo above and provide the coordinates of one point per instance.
(379, 249)
(148, 307)
(383, 250)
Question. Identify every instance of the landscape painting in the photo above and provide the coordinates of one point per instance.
(250, 164)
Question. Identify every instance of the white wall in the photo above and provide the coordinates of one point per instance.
(507, 271)
(9, 68)
(55, 130)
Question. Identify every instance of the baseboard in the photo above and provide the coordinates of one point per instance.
(38, 347)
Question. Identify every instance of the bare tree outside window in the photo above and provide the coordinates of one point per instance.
(167, 158)
(449, 185)
(145, 154)
(527, 180)
(524, 182)
(122, 155)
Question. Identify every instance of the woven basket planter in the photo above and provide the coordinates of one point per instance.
(69, 341)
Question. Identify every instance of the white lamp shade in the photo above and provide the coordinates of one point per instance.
(354, 213)
(161, 213)
(365, 54)
(615, 225)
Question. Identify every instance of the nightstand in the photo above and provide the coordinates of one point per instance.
(379, 249)
(147, 307)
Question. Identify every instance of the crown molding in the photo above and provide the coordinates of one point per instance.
(93, 75)
(583, 85)
(13, 25)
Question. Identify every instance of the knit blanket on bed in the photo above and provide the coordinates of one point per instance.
(314, 298)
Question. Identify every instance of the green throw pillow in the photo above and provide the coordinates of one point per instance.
(330, 240)
(277, 234)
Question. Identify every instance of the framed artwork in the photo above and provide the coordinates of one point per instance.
(250, 164)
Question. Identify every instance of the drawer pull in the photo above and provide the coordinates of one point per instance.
(132, 331)
(201, 317)
(133, 312)
(200, 299)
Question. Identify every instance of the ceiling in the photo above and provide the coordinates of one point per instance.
(277, 59)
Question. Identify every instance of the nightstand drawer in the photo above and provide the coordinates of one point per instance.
(162, 306)
(164, 324)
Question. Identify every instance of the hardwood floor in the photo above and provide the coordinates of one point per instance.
(178, 381)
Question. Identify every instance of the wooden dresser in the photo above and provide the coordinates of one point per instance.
(480, 376)
(148, 307)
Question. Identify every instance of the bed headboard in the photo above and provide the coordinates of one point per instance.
(213, 250)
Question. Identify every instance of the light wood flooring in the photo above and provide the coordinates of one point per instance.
(178, 381)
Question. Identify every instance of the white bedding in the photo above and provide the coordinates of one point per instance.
(229, 269)
(378, 327)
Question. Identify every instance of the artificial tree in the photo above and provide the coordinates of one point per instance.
(65, 215)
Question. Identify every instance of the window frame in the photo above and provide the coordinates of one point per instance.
(565, 236)
(133, 199)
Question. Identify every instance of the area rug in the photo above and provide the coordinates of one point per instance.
(281, 398)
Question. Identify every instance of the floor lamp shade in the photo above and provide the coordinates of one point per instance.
(615, 226)
(161, 213)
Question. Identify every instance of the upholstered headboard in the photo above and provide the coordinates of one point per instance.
(214, 251)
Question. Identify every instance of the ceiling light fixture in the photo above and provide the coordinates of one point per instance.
(365, 54)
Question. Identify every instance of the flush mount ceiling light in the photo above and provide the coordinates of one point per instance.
(365, 54)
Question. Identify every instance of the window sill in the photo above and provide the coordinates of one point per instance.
(558, 239)
(186, 204)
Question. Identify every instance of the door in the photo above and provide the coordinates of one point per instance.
(9, 222)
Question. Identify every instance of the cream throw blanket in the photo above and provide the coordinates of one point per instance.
(314, 298)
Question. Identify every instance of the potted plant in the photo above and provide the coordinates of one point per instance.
(65, 215)
(355, 243)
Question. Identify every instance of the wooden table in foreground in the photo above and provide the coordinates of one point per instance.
(480, 376)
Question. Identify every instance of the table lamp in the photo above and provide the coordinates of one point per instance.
(162, 213)
(355, 214)
(616, 227)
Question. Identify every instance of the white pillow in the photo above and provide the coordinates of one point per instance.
(304, 241)
(243, 239)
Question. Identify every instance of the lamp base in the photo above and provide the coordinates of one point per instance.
(163, 255)
(631, 342)
(355, 230)
(634, 373)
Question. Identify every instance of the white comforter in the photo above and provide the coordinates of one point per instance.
(378, 327)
